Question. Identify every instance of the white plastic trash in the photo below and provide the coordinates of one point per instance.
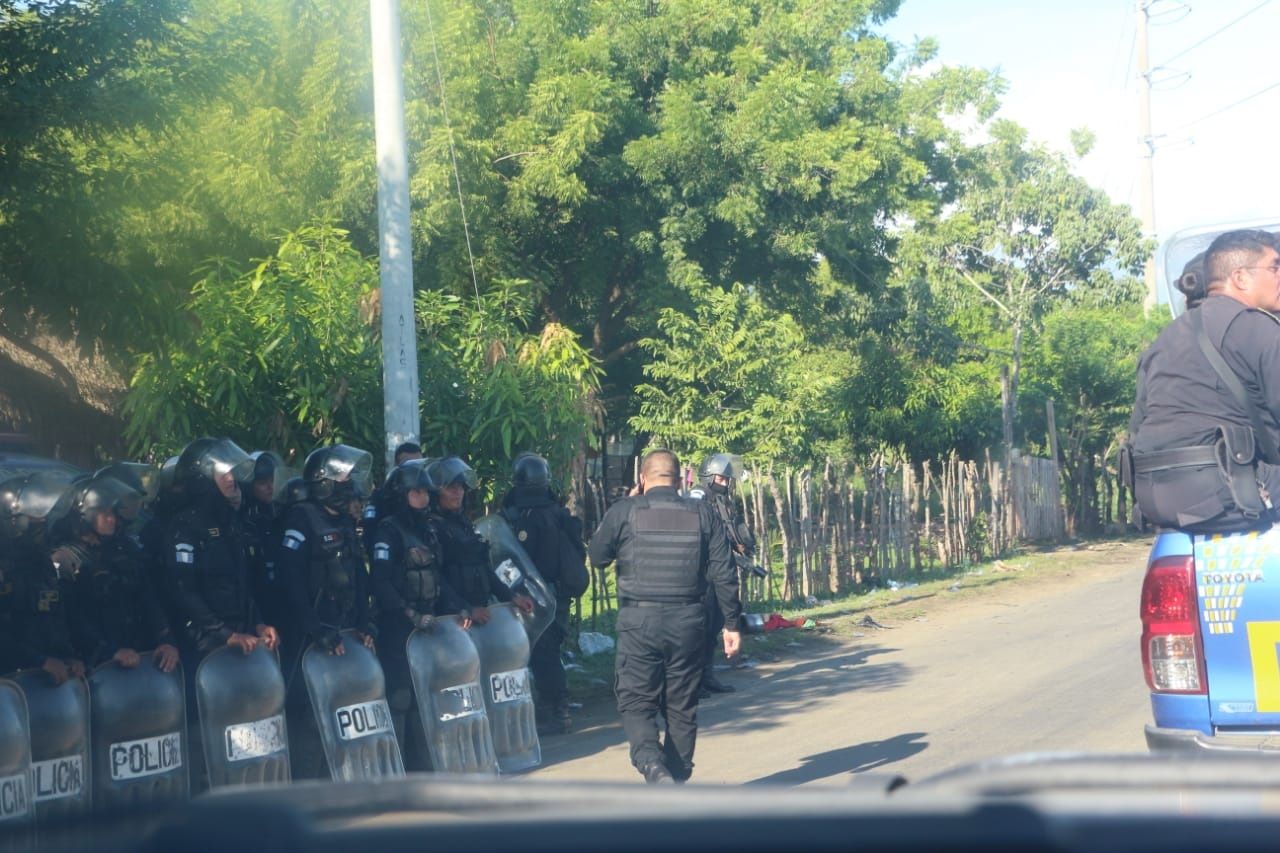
(592, 643)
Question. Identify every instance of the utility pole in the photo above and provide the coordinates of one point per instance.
(1149, 143)
(395, 255)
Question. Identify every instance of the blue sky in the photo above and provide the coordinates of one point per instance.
(1072, 64)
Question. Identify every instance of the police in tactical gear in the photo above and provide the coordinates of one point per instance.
(1206, 421)
(376, 508)
(33, 609)
(553, 540)
(716, 476)
(206, 554)
(261, 515)
(410, 593)
(115, 611)
(321, 563)
(465, 554)
(668, 549)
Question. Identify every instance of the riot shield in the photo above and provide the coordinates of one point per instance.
(349, 696)
(138, 723)
(17, 811)
(240, 699)
(59, 744)
(1177, 250)
(514, 567)
(445, 668)
(504, 677)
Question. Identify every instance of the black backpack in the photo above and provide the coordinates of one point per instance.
(561, 554)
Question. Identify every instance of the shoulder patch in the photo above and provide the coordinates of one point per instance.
(381, 551)
(184, 553)
(699, 494)
(371, 511)
(293, 539)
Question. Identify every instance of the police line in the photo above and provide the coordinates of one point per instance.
(120, 737)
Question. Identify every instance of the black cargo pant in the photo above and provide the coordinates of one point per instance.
(715, 622)
(659, 666)
(549, 679)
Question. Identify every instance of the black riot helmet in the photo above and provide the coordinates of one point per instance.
(407, 476)
(337, 474)
(530, 469)
(450, 470)
(207, 458)
(34, 499)
(141, 480)
(93, 496)
(295, 491)
(722, 464)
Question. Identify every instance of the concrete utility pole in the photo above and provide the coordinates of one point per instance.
(1148, 140)
(395, 255)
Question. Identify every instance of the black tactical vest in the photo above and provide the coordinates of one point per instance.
(420, 561)
(333, 559)
(662, 560)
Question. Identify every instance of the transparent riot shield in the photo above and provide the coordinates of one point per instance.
(515, 568)
(504, 677)
(349, 697)
(445, 668)
(240, 699)
(17, 809)
(138, 727)
(59, 744)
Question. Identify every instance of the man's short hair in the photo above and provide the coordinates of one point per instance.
(1233, 250)
(661, 464)
(408, 448)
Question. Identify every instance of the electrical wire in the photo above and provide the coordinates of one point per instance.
(1216, 32)
(1221, 110)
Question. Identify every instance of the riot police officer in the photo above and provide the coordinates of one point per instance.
(716, 476)
(553, 540)
(33, 608)
(116, 611)
(260, 514)
(321, 564)
(206, 554)
(465, 554)
(668, 550)
(410, 593)
(376, 508)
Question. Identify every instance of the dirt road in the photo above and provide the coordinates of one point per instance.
(1047, 662)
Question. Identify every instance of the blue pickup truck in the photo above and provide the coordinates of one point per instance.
(1211, 608)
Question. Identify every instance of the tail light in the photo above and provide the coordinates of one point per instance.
(1172, 651)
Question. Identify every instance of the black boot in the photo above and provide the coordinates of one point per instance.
(714, 685)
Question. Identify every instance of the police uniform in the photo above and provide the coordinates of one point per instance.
(668, 550)
(1197, 463)
(261, 521)
(407, 586)
(322, 566)
(544, 528)
(741, 542)
(208, 575)
(466, 560)
(116, 606)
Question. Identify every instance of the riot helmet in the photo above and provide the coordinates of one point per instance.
(337, 475)
(213, 467)
(727, 465)
(168, 476)
(141, 480)
(295, 491)
(35, 499)
(450, 470)
(267, 480)
(530, 469)
(95, 497)
(404, 478)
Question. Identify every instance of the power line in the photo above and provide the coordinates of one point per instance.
(1216, 32)
(1230, 106)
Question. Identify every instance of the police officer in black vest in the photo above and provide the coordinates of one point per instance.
(262, 513)
(410, 592)
(321, 563)
(1206, 421)
(553, 540)
(668, 550)
(376, 507)
(465, 554)
(33, 591)
(115, 611)
(716, 477)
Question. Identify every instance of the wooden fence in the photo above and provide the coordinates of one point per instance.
(825, 531)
